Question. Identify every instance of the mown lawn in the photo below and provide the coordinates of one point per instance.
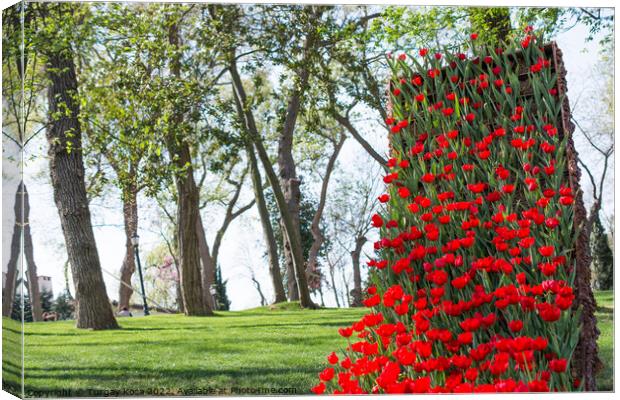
(172, 354)
(259, 349)
(605, 318)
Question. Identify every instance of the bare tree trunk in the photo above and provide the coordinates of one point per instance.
(208, 265)
(270, 239)
(287, 173)
(314, 275)
(130, 219)
(263, 301)
(189, 256)
(177, 283)
(346, 298)
(67, 174)
(293, 236)
(356, 300)
(33, 279)
(333, 280)
(292, 195)
(289, 181)
(187, 202)
(8, 295)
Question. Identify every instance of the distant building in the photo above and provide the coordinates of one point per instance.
(45, 284)
(3, 279)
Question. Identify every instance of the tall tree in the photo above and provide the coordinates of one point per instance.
(66, 164)
(292, 232)
(270, 239)
(188, 196)
(349, 215)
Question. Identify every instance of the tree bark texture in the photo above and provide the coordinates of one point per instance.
(208, 264)
(287, 173)
(130, 219)
(67, 175)
(586, 362)
(356, 293)
(270, 239)
(188, 201)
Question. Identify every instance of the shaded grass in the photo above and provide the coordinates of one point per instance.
(264, 348)
(605, 323)
(11, 356)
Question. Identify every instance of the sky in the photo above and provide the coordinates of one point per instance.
(242, 246)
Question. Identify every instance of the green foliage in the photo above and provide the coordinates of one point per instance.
(221, 297)
(64, 306)
(492, 24)
(47, 301)
(18, 312)
(602, 257)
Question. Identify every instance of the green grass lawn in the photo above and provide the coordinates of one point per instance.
(605, 318)
(173, 354)
(250, 349)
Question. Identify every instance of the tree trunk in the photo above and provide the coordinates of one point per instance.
(346, 299)
(289, 181)
(33, 279)
(208, 265)
(312, 270)
(292, 195)
(293, 238)
(187, 200)
(586, 362)
(287, 173)
(263, 301)
(67, 174)
(270, 239)
(356, 293)
(11, 273)
(333, 279)
(130, 218)
(189, 255)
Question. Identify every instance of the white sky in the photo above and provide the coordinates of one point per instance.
(243, 243)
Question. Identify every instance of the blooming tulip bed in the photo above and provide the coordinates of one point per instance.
(471, 289)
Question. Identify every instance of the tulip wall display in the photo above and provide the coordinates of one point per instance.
(479, 281)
